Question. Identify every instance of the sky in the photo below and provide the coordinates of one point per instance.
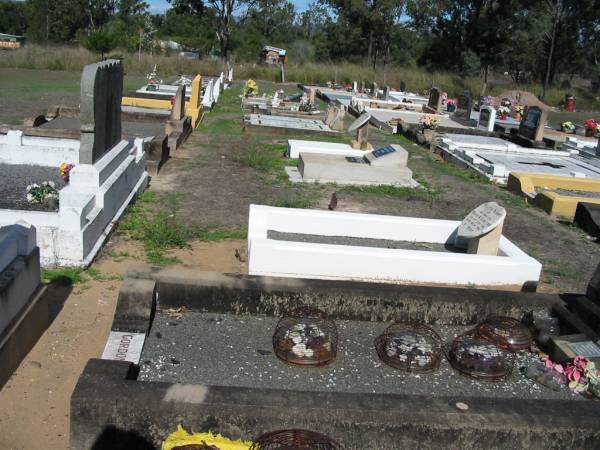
(159, 6)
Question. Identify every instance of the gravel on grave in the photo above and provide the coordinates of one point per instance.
(14, 179)
(363, 242)
(236, 350)
(570, 192)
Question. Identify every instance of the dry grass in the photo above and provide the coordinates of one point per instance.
(73, 58)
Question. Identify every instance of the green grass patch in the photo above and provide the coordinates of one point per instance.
(216, 233)
(160, 231)
(560, 269)
(266, 158)
(299, 203)
(407, 193)
(65, 276)
(221, 126)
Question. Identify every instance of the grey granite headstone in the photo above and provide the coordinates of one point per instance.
(101, 92)
(402, 86)
(386, 92)
(487, 118)
(465, 103)
(435, 100)
(533, 123)
(178, 110)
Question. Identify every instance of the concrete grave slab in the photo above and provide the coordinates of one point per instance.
(295, 147)
(495, 159)
(383, 166)
(232, 399)
(340, 245)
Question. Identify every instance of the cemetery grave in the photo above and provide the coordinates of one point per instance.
(23, 299)
(557, 195)
(105, 175)
(495, 158)
(340, 245)
(210, 351)
(382, 166)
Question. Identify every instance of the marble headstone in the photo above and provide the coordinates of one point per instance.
(482, 229)
(101, 92)
(487, 118)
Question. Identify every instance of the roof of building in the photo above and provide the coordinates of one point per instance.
(269, 48)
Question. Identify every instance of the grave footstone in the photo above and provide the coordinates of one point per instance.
(481, 229)
(402, 86)
(533, 123)
(101, 92)
(487, 118)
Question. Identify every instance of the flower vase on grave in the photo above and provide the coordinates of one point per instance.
(589, 132)
(518, 116)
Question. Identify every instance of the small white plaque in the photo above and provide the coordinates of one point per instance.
(124, 346)
(482, 220)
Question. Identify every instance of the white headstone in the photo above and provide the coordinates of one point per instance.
(481, 220)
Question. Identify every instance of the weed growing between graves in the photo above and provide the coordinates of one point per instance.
(160, 231)
(266, 158)
(222, 126)
(559, 269)
(406, 193)
(69, 276)
(299, 203)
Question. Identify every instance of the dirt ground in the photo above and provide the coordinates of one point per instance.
(211, 181)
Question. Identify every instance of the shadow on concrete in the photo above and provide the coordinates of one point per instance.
(112, 438)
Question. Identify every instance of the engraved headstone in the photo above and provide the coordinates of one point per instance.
(533, 123)
(465, 103)
(487, 118)
(482, 229)
(402, 86)
(386, 92)
(434, 104)
(101, 92)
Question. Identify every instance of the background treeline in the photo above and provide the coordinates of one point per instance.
(546, 43)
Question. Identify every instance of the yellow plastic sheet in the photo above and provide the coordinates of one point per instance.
(182, 437)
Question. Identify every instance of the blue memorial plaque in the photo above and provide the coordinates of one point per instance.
(383, 151)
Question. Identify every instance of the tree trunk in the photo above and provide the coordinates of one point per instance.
(550, 55)
(486, 71)
(370, 49)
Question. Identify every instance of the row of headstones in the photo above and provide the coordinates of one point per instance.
(531, 126)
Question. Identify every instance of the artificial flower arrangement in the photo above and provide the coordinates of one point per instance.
(451, 105)
(518, 109)
(429, 122)
(251, 88)
(152, 77)
(581, 374)
(591, 127)
(503, 111)
(40, 193)
(65, 170)
(567, 127)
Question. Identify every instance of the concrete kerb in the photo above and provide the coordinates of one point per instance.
(108, 405)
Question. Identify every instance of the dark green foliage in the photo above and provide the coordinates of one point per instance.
(101, 41)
